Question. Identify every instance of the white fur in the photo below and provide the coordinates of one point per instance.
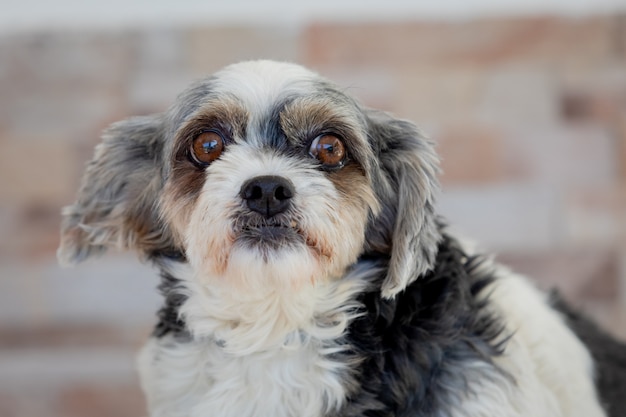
(545, 356)
(551, 368)
(202, 377)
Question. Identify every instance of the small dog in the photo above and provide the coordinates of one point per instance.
(305, 272)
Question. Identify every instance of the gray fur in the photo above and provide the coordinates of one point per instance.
(116, 204)
(407, 186)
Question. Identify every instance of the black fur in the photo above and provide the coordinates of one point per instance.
(169, 321)
(412, 349)
(608, 354)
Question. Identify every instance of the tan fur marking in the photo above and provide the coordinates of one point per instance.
(308, 117)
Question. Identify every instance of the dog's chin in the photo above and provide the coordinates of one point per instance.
(282, 265)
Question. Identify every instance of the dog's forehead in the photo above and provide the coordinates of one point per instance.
(259, 85)
(257, 97)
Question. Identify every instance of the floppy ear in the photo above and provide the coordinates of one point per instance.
(116, 204)
(407, 183)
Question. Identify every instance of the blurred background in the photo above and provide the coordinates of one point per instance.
(526, 101)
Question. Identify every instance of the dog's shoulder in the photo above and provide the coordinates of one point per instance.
(471, 337)
(422, 349)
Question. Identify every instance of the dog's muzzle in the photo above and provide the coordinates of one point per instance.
(269, 225)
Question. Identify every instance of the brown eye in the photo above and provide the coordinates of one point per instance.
(329, 150)
(207, 147)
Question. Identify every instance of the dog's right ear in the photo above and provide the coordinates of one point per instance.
(116, 204)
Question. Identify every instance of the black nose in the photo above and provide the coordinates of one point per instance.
(268, 194)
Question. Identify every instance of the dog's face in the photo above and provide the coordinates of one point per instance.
(262, 174)
(270, 177)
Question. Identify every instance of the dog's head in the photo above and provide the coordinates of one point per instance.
(264, 171)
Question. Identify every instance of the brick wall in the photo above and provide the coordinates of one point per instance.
(529, 116)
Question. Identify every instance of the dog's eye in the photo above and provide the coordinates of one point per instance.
(207, 147)
(329, 150)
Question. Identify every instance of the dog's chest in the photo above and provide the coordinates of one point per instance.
(200, 379)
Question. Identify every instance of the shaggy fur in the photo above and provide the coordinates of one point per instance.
(294, 286)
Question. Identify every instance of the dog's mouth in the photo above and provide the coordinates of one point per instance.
(269, 234)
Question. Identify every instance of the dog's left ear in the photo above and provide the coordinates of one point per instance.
(116, 204)
(406, 181)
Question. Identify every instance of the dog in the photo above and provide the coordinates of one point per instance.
(306, 273)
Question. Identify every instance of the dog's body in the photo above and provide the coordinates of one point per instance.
(306, 274)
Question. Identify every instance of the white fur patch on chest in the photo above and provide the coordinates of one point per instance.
(224, 373)
(200, 379)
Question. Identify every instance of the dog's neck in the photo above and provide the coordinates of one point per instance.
(269, 318)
